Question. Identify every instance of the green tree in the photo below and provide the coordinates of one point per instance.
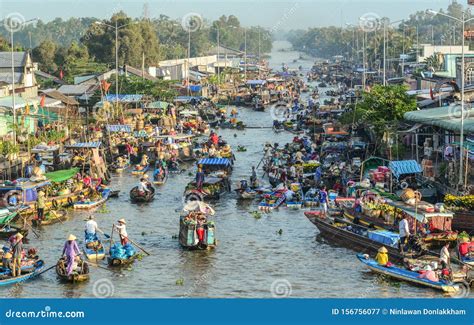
(45, 54)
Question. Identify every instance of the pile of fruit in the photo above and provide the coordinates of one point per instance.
(460, 203)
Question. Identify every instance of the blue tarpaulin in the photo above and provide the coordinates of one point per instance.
(119, 128)
(124, 98)
(385, 237)
(195, 88)
(256, 82)
(81, 145)
(214, 161)
(403, 167)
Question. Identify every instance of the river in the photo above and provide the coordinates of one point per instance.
(278, 253)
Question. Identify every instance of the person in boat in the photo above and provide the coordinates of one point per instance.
(323, 199)
(445, 256)
(337, 187)
(466, 247)
(404, 231)
(429, 274)
(17, 251)
(72, 252)
(158, 173)
(382, 256)
(122, 231)
(91, 229)
(144, 161)
(317, 175)
(7, 258)
(253, 178)
(214, 138)
(143, 186)
(199, 178)
(40, 205)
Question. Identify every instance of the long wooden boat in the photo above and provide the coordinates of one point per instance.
(9, 230)
(246, 194)
(51, 217)
(84, 205)
(137, 198)
(406, 275)
(162, 180)
(464, 221)
(142, 171)
(297, 201)
(6, 279)
(81, 276)
(337, 234)
(188, 237)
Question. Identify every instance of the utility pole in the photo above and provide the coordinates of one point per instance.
(13, 83)
(245, 54)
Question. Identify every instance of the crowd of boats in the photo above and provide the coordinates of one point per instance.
(373, 206)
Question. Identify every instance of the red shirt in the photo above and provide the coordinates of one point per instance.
(464, 248)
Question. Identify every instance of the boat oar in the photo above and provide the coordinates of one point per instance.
(49, 268)
(134, 243)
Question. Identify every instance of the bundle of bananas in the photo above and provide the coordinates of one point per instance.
(465, 202)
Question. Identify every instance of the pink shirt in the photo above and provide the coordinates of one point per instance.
(429, 275)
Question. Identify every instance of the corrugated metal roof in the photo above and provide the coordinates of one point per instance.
(214, 161)
(19, 59)
(74, 90)
(119, 128)
(6, 77)
(124, 98)
(79, 145)
(403, 167)
(446, 117)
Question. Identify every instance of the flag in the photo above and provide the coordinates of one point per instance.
(42, 101)
(61, 74)
(105, 85)
(431, 93)
(27, 109)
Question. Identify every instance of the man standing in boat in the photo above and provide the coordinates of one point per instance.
(40, 205)
(199, 178)
(17, 250)
(323, 199)
(404, 231)
(122, 231)
(92, 228)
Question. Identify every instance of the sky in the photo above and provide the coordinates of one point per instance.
(272, 14)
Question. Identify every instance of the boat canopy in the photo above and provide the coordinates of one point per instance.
(419, 215)
(6, 216)
(256, 82)
(61, 175)
(158, 104)
(215, 161)
(119, 128)
(403, 167)
(84, 145)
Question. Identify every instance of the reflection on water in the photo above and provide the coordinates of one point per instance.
(251, 253)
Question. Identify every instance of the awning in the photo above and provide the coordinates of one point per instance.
(446, 117)
(256, 82)
(119, 128)
(20, 102)
(403, 167)
(158, 104)
(61, 175)
(123, 98)
(214, 161)
(84, 145)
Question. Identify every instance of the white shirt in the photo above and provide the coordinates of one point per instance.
(403, 228)
(122, 230)
(91, 227)
(444, 255)
(143, 187)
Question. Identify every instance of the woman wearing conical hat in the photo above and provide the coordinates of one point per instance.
(382, 256)
(71, 250)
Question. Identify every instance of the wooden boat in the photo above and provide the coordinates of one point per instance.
(272, 201)
(195, 229)
(212, 189)
(160, 180)
(246, 194)
(406, 275)
(6, 279)
(81, 273)
(339, 233)
(94, 250)
(119, 260)
(51, 217)
(9, 230)
(140, 170)
(135, 197)
(84, 205)
(464, 221)
(311, 198)
(297, 201)
(7, 216)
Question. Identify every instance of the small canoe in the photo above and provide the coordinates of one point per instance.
(135, 197)
(84, 205)
(6, 279)
(271, 201)
(81, 273)
(160, 180)
(140, 170)
(245, 194)
(51, 217)
(121, 261)
(406, 275)
(94, 250)
(119, 169)
(9, 230)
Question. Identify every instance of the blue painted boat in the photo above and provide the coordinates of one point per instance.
(94, 249)
(406, 275)
(297, 200)
(142, 171)
(93, 204)
(5, 279)
(272, 201)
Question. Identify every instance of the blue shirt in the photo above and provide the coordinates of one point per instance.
(323, 195)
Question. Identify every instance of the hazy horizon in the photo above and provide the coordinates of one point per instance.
(278, 15)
